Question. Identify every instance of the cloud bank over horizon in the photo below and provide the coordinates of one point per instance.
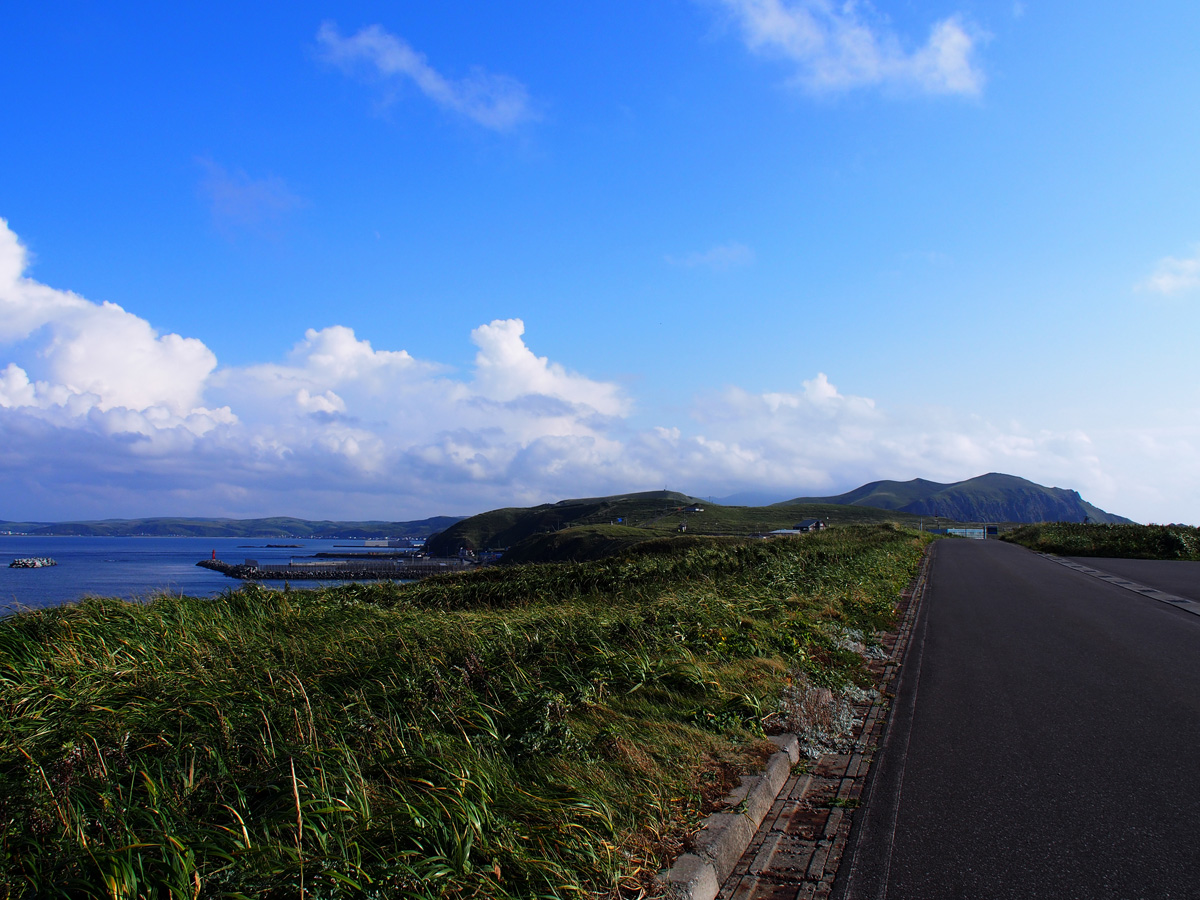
(103, 416)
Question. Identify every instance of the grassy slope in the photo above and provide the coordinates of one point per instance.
(659, 514)
(880, 494)
(504, 527)
(751, 519)
(1114, 541)
(536, 730)
(583, 543)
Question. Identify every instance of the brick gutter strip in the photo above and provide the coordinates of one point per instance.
(725, 836)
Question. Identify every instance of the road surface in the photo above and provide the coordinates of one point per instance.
(1173, 576)
(1045, 740)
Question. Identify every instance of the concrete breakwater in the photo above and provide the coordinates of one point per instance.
(32, 562)
(337, 569)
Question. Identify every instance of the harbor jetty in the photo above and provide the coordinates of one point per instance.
(32, 562)
(360, 569)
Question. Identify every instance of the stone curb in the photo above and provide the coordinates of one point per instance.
(724, 836)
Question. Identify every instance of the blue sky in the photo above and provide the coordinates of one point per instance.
(393, 260)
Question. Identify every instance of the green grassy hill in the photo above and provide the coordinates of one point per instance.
(655, 513)
(750, 519)
(879, 494)
(580, 544)
(501, 528)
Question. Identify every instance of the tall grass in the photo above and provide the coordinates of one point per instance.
(1113, 541)
(540, 731)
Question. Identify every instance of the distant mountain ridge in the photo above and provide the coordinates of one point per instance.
(994, 497)
(989, 498)
(277, 527)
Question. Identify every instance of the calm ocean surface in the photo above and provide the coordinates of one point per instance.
(135, 567)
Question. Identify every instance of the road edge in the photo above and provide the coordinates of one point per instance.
(725, 837)
(865, 875)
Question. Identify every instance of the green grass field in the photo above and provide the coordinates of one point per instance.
(527, 731)
(1113, 541)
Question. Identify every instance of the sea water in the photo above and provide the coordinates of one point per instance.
(138, 568)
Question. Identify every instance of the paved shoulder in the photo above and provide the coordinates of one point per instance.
(1054, 748)
(1173, 576)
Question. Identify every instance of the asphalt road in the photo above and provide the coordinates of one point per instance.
(1045, 741)
(1173, 576)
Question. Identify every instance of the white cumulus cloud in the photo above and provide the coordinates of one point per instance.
(506, 369)
(838, 46)
(498, 102)
(95, 350)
